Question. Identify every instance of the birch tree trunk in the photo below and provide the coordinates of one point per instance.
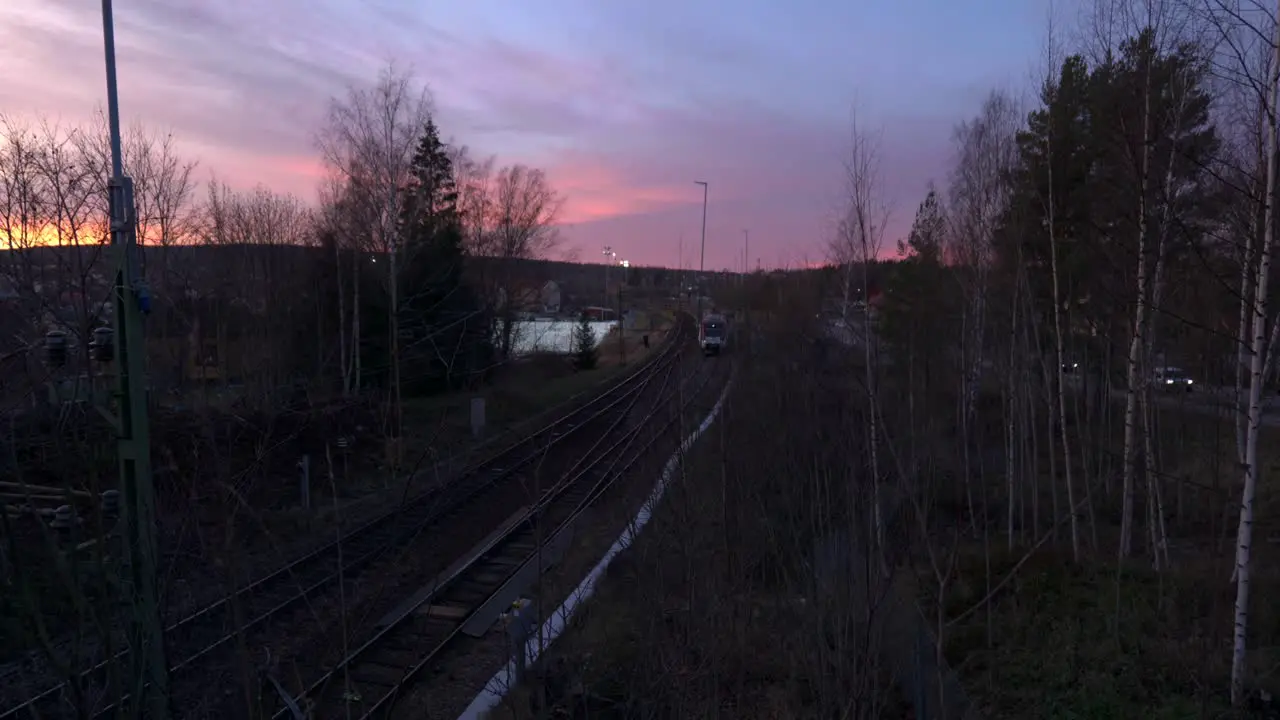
(1012, 401)
(1135, 375)
(1064, 436)
(1257, 348)
(1155, 498)
(1242, 348)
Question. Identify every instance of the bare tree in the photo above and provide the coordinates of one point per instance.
(1257, 348)
(54, 227)
(1248, 62)
(474, 179)
(19, 185)
(1050, 208)
(986, 152)
(858, 242)
(368, 144)
(340, 227)
(253, 285)
(518, 208)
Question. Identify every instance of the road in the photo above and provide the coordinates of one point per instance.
(1210, 400)
(1204, 399)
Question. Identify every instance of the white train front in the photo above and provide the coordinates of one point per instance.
(712, 333)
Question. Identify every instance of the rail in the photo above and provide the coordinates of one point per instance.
(209, 629)
(387, 663)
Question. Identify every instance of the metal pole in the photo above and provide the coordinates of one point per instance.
(605, 252)
(622, 343)
(746, 243)
(702, 255)
(150, 671)
(680, 277)
(609, 255)
(113, 100)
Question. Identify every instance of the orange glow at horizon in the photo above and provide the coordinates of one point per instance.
(51, 235)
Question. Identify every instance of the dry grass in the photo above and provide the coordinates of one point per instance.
(1067, 640)
(1062, 639)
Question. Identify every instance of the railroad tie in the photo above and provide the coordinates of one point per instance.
(445, 612)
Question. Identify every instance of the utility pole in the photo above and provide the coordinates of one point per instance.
(150, 671)
(680, 284)
(622, 328)
(702, 255)
(746, 244)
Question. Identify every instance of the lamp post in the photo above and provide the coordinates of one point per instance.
(624, 264)
(680, 275)
(702, 254)
(132, 300)
(610, 254)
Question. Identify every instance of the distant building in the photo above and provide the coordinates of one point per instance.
(597, 313)
(550, 297)
(531, 299)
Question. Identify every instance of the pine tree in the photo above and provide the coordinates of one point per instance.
(444, 339)
(925, 239)
(585, 354)
(917, 315)
(432, 195)
(1086, 135)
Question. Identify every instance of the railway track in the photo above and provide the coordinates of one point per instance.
(465, 599)
(195, 639)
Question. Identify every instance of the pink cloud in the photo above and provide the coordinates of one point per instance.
(595, 192)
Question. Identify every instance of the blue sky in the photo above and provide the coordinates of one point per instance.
(625, 104)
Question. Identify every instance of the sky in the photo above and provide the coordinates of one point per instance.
(625, 104)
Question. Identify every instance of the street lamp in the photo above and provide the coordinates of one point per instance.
(702, 254)
(609, 253)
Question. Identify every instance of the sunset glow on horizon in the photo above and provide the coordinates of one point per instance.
(50, 235)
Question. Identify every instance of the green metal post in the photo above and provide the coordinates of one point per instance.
(150, 671)
(150, 668)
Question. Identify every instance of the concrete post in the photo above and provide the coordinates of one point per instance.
(521, 622)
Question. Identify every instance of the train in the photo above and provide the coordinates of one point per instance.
(713, 331)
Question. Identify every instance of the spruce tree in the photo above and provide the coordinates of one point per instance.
(585, 355)
(444, 333)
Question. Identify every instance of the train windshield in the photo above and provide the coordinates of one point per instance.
(713, 329)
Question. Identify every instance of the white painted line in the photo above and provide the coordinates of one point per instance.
(504, 680)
